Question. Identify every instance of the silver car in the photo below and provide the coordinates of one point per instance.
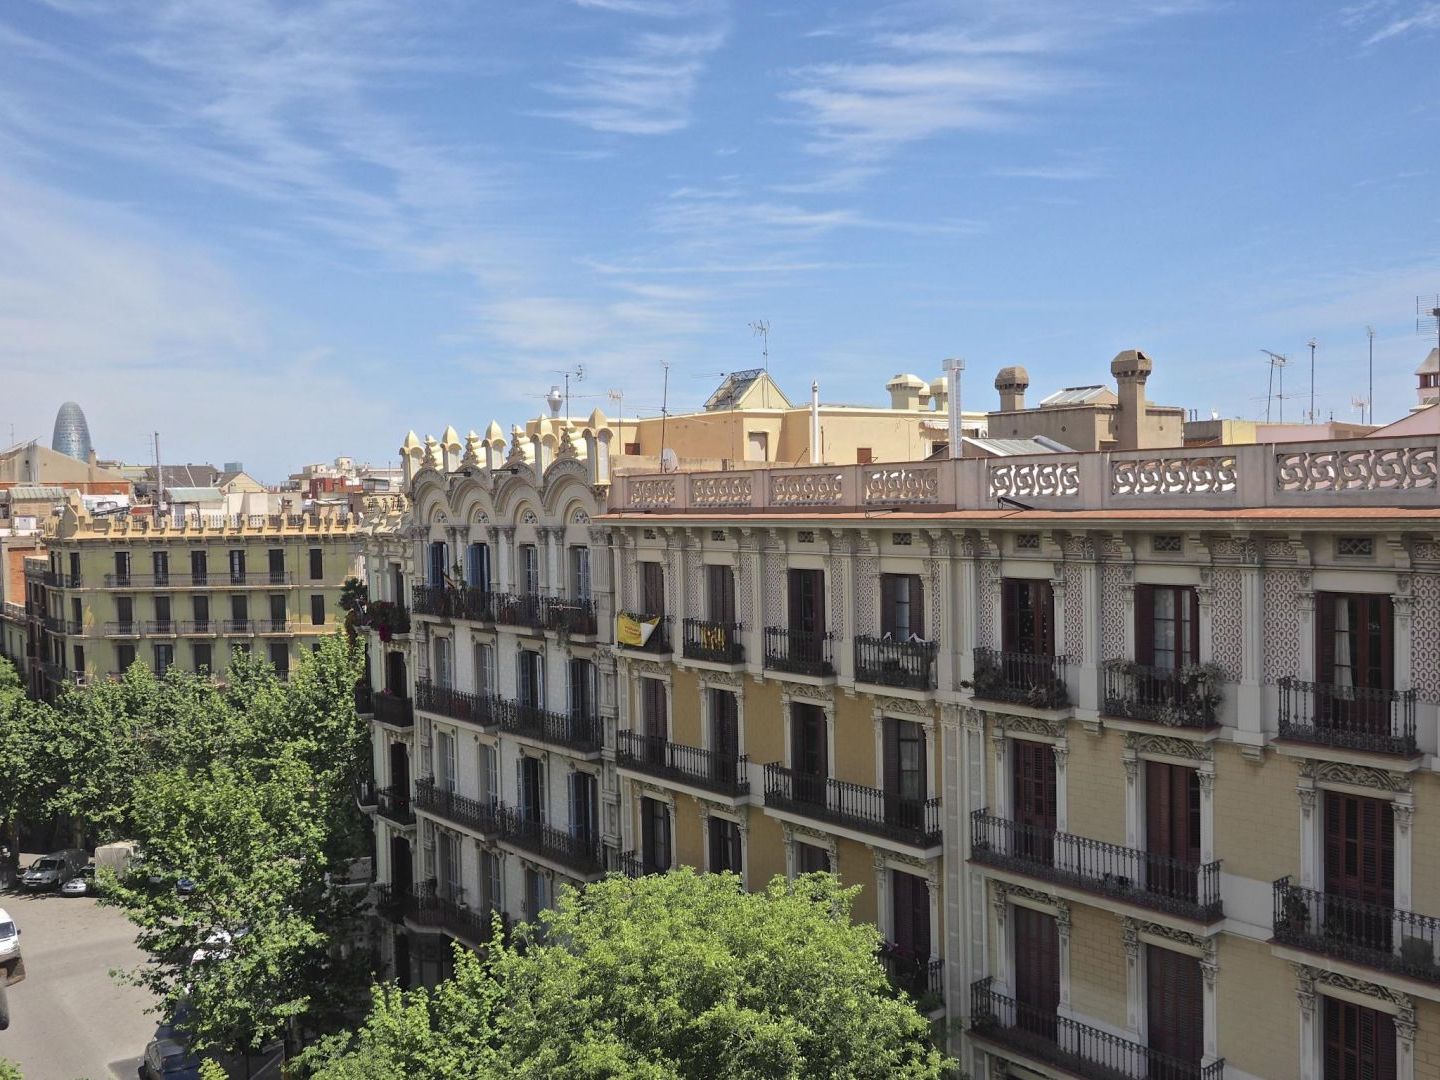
(53, 870)
(82, 884)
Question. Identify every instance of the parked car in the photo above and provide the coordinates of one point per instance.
(12, 967)
(82, 884)
(185, 886)
(170, 1059)
(53, 870)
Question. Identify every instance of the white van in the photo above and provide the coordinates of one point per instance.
(53, 870)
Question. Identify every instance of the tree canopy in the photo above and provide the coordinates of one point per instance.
(663, 977)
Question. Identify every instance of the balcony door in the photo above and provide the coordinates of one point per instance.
(806, 602)
(1033, 799)
(438, 563)
(1359, 1042)
(720, 594)
(1167, 626)
(584, 813)
(910, 918)
(905, 773)
(580, 573)
(530, 568)
(531, 682)
(1027, 617)
(1175, 1010)
(1354, 653)
(395, 680)
(809, 751)
(477, 569)
(652, 588)
(655, 836)
(1359, 868)
(1172, 829)
(902, 607)
(1037, 972)
(532, 789)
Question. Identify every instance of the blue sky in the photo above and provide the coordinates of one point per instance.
(280, 231)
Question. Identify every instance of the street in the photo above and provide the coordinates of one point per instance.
(69, 1018)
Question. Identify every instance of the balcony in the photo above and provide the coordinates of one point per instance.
(659, 639)
(481, 816)
(801, 652)
(197, 627)
(364, 698)
(919, 976)
(525, 610)
(1356, 930)
(1033, 679)
(367, 798)
(584, 734)
(456, 704)
(442, 601)
(224, 579)
(624, 862)
(570, 616)
(63, 626)
(1160, 882)
(62, 581)
(910, 821)
(133, 628)
(274, 626)
(1349, 717)
(395, 711)
(1185, 698)
(715, 642)
(237, 627)
(579, 853)
(162, 628)
(424, 909)
(1077, 1048)
(885, 661)
(652, 755)
(393, 804)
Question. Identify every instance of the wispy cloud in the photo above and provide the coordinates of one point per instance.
(648, 87)
(1382, 20)
(1059, 171)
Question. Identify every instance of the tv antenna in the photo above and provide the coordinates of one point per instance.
(1370, 392)
(664, 409)
(1360, 403)
(1277, 363)
(1311, 343)
(761, 327)
(1427, 316)
(579, 374)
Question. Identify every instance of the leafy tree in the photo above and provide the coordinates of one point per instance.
(663, 977)
(9, 1070)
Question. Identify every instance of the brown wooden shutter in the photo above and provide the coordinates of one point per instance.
(917, 607)
(1359, 1042)
(1192, 608)
(1043, 599)
(1011, 600)
(1359, 848)
(1033, 765)
(892, 755)
(1037, 971)
(1174, 1004)
(1325, 637)
(887, 604)
(1145, 625)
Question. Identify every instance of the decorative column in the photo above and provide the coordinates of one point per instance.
(1205, 595)
(1134, 812)
(1309, 1036)
(1127, 592)
(932, 885)
(1404, 814)
(1309, 832)
(844, 589)
(1134, 976)
(955, 840)
(1062, 928)
(999, 903)
(753, 632)
(1210, 1010)
(507, 559)
(1250, 694)
(1206, 775)
(966, 609)
(1405, 1027)
(1062, 787)
(944, 611)
(1403, 601)
(1305, 631)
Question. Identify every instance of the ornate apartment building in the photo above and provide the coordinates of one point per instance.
(187, 590)
(1131, 753)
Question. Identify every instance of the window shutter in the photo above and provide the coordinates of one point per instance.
(887, 604)
(1145, 625)
(917, 607)
(1044, 601)
(1192, 607)
(1037, 971)
(1325, 637)
(892, 756)
(1174, 1004)
(1010, 614)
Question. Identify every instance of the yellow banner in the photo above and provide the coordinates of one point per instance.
(632, 631)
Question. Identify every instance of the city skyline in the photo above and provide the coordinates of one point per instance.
(242, 209)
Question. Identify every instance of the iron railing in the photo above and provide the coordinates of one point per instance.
(477, 709)
(1075, 1047)
(189, 579)
(163, 627)
(659, 639)
(1353, 717)
(62, 581)
(912, 821)
(438, 600)
(133, 628)
(919, 976)
(393, 804)
(717, 642)
(478, 815)
(236, 626)
(569, 615)
(394, 710)
(1357, 930)
(272, 626)
(707, 769)
(577, 732)
(1035, 679)
(884, 661)
(624, 862)
(519, 609)
(1162, 882)
(364, 697)
(366, 795)
(802, 652)
(426, 908)
(578, 851)
(1167, 696)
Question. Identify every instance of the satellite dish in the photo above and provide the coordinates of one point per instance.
(669, 460)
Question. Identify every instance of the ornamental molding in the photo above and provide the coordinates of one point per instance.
(1012, 723)
(659, 794)
(1349, 984)
(1006, 891)
(1135, 927)
(650, 668)
(885, 706)
(805, 691)
(1165, 746)
(721, 679)
(1344, 772)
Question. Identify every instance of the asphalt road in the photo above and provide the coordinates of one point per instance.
(69, 1019)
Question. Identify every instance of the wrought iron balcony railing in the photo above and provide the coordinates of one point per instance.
(394, 710)
(473, 925)
(1075, 1047)
(884, 661)
(1162, 882)
(579, 851)
(1357, 930)
(583, 733)
(717, 642)
(919, 976)
(393, 804)
(1035, 679)
(1186, 697)
(802, 652)
(569, 615)
(911, 821)
(624, 862)
(1352, 717)
(477, 709)
(693, 765)
(133, 628)
(520, 609)
(237, 626)
(478, 815)
(190, 579)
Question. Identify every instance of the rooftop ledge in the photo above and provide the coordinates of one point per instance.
(1371, 474)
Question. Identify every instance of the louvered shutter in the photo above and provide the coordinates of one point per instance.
(1174, 1004)
(1145, 625)
(1037, 971)
(917, 607)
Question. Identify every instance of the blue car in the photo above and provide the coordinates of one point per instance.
(169, 1059)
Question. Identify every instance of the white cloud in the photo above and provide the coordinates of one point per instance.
(1390, 19)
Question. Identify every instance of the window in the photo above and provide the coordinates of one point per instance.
(201, 610)
(864, 455)
(125, 614)
(652, 588)
(280, 659)
(317, 609)
(276, 566)
(1037, 972)
(162, 615)
(1033, 798)
(720, 593)
(122, 568)
(1167, 543)
(1027, 541)
(725, 851)
(910, 915)
(485, 669)
(580, 573)
(489, 774)
(490, 881)
(239, 610)
(584, 810)
(160, 566)
(582, 689)
(654, 716)
(655, 835)
(906, 783)
(1354, 547)
(164, 657)
(237, 566)
(80, 658)
(532, 789)
(75, 612)
(277, 611)
(1172, 828)
(532, 679)
(124, 656)
(902, 606)
(439, 563)
(1027, 617)
(1167, 626)
(445, 761)
(809, 751)
(724, 723)
(1354, 644)
(530, 568)
(198, 574)
(806, 601)
(317, 564)
(1359, 1042)
(477, 567)
(810, 859)
(632, 449)
(536, 894)
(443, 666)
(448, 871)
(201, 651)
(1174, 1004)
(1360, 851)
(74, 568)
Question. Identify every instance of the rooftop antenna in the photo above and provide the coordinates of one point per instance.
(664, 409)
(579, 374)
(1370, 393)
(1277, 363)
(762, 328)
(1311, 343)
(1359, 403)
(1427, 316)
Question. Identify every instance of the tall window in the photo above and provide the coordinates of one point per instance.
(1174, 1004)
(477, 566)
(485, 669)
(438, 563)
(1027, 617)
(580, 573)
(809, 751)
(1167, 626)
(537, 894)
(445, 761)
(720, 593)
(532, 679)
(724, 723)
(582, 689)
(122, 568)
(532, 789)
(317, 609)
(124, 656)
(530, 568)
(164, 657)
(1359, 1042)
(1354, 645)
(652, 588)
(277, 611)
(1037, 971)
(280, 658)
(490, 881)
(317, 564)
(237, 565)
(448, 871)
(902, 606)
(277, 566)
(725, 853)
(1172, 828)
(162, 615)
(655, 835)
(160, 565)
(203, 662)
(198, 574)
(1033, 798)
(653, 712)
(806, 601)
(1360, 850)
(239, 608)
(125, 613)
(906, 785)
(489, 774)
(444, 667)
(584, 812)
(810, 859)
(910, 914)
(200, 607)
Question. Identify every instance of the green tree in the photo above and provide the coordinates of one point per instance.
(663, 977)
(9, 1070)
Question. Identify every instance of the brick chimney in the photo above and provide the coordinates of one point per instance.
(1012, 382)
(1131, 368)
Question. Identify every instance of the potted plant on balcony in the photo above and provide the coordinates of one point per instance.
(988, 678)
(387, 619)
(353, 598)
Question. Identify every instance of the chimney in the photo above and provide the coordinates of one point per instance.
(905, 392)
(1012, 382)
(1131, 368)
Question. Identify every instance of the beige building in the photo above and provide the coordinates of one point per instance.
(187, 590)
